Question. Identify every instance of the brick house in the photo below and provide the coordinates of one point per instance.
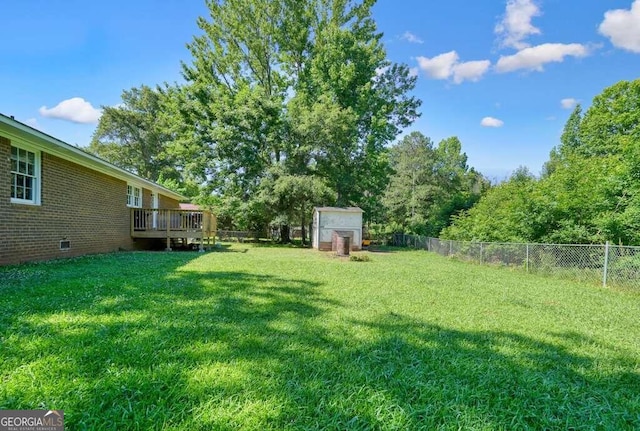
(58, 201)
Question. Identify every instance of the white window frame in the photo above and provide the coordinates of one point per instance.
(36, 183)
(134, 200)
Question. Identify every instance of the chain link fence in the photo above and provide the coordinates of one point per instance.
(605, 264)
(238, 235)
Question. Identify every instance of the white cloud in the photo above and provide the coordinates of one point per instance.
(470, 70)
(448, 65)
(622, 27)
(440, 66)
(516, 23)
(75, 109)
(535, 57)
(491, 122)
(411, 38)
(568, 103)
(413, 72)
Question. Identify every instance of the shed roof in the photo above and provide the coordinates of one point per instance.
(339, 209)
(17, 130)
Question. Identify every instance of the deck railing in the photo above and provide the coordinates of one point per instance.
(172, 223)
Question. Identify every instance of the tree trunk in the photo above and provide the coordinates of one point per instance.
(304, 228)
(285, 237)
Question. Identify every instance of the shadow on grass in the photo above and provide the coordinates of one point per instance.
(439, 378)
(275, 244)
(227, 248)
(165, 347)
(384, 249)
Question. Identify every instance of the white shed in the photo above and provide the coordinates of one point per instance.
(330, 222)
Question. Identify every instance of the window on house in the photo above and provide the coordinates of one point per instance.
(25, 176)
(134, 196)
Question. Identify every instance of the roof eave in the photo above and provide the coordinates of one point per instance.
(66, 151)
(340, 209)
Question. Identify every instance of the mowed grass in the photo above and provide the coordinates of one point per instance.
(264, 338)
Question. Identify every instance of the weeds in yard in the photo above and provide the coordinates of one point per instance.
(359, 258)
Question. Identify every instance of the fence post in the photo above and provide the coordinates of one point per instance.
(527, 260)
(450, 247)
(606, 264)
(481, 248)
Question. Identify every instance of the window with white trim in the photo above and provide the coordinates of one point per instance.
(25, 176)
(134, 196)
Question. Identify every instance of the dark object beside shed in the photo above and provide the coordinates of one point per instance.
(341, 242)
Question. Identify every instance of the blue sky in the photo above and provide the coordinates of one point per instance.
(502, 75)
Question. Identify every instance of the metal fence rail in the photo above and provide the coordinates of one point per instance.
(605, 264)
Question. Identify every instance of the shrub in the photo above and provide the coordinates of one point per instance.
(359, 258)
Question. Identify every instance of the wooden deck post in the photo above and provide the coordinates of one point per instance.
(204, 226)
(168, 231)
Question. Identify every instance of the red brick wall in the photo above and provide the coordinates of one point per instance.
(325, 246)
(78, 204)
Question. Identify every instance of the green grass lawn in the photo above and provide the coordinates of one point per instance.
(278, 338)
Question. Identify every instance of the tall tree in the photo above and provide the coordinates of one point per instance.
(413, 187)
(299, 85)
(429, 184)
(132, 135)
(234, 94)
(612, 121)
(570, 139)
(569, 143)
(349, 75)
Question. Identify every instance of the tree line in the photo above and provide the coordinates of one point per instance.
(290, 104)
(286, 104)
(588, 192)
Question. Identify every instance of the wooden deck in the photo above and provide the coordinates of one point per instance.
(173, 224)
